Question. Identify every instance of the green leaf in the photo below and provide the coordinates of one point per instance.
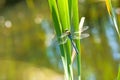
(64, 14)
(62, 21)
(58, 29)
(112, 15)
(76, 28)
(65, 23)
(55, 16)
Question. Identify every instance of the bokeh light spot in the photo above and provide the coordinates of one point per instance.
(8, 24)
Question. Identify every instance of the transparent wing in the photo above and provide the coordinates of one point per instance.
(63, 35)
(62, 41)
(78, 34)
(82, 30)
(85, 35)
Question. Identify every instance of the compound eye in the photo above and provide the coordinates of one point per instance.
(66, 30)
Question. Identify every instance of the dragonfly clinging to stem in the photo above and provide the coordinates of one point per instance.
(75, 35)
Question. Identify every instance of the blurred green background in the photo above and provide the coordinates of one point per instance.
(28, 50)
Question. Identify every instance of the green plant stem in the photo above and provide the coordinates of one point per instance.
(58, 29)
(112, 15)
(65, 23)
(76, 28)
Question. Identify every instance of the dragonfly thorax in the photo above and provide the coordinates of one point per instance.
(67, 32)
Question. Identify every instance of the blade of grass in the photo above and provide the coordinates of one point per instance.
(65, 22)
(70, 9)
(58, 28)
(64, 13)
(76, 28)
(112, 15)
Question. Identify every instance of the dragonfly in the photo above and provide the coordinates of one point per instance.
(76, 35)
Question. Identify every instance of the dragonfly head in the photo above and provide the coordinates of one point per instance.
(67, 32)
